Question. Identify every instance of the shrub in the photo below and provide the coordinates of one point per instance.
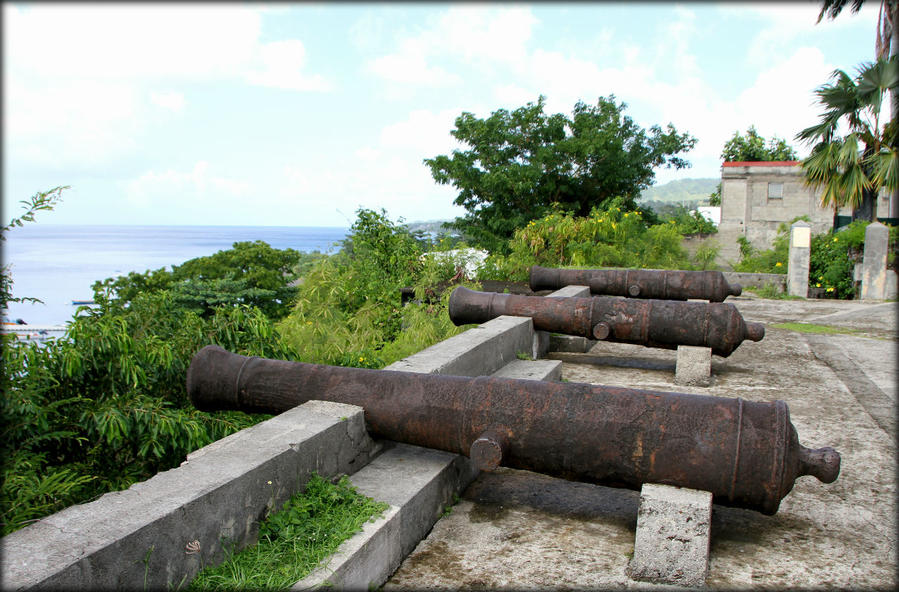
(606, 238)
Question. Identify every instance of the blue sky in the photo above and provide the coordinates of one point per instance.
(299, 114)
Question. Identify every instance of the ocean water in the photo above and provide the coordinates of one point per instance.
(58, 264)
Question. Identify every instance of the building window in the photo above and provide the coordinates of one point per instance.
(775, 190)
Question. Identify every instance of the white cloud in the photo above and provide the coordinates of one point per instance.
(788, 22)
(82, 80)
(480, 36)
(131, 41)
(410, 67)
(170, 187)
(282, 65)
(170, 100)
(69, 122)
(423, 132)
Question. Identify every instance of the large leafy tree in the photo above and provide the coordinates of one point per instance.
(249, 273)
(519, 163)
(851, 169)
(752, 147)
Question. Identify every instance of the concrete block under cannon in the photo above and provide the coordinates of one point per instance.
(653, 323)
(747, 454)
(663, 284)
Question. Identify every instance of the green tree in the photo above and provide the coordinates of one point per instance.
(752, 148)
(852, 169)
(249, 273)
(521, 162)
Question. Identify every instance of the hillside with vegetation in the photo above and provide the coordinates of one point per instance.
(680, 192)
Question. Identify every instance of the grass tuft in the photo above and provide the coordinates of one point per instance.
(293, 541)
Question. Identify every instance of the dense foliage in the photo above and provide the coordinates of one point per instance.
(752, 147)
(608, 237)
(833, 256)
(522, 162)
(249, 273)
(106, 405)
(348, 309)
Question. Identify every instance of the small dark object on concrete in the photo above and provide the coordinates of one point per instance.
(746, 453)
(663, 284)
(653, 323)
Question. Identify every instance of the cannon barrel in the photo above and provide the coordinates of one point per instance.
(746, 453)
(639, 283)
(653, 323)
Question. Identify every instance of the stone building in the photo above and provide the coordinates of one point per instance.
(756, 197)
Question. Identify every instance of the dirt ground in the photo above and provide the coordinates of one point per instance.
(514, 529)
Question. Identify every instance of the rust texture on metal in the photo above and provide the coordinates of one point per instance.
(653, 323)
(746, 453)
(663, 284)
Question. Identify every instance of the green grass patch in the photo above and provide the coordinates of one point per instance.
(812, 328)
(293, 541)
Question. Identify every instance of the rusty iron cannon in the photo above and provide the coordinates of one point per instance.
(746, 453)
(653, 323)
(638, 283)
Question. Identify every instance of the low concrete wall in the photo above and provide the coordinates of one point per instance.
(757, 280)
(160, 532)
(480, 351)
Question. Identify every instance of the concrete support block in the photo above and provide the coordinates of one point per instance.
(673, 532)
(799, 259)
(418, 483)
(544, 342)
(158, 533)
(532, 370)
(874, 262)
(480, 351)
(694, 365)
(571, 292)
(570, 343)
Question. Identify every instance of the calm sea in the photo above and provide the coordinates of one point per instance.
(58, 264)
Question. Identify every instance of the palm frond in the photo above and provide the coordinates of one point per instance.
(884, 166)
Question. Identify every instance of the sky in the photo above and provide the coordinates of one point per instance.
(299, 114)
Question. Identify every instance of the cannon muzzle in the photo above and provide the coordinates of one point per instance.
(746, 453)
(661, 284)
(653, 323)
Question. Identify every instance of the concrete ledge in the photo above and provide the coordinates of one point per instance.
(694, 365)
(672, 540)
(480, 351)
(532, 370)
(418, 483)
(158, 533)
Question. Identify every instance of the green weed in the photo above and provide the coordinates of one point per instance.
(293, 541)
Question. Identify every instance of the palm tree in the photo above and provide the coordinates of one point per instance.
(852, 169)
(886, 44)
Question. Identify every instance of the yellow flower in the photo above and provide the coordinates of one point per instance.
(830, 289)
(817, 285)
(361, 359)
(778, 264)
(834, 239)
